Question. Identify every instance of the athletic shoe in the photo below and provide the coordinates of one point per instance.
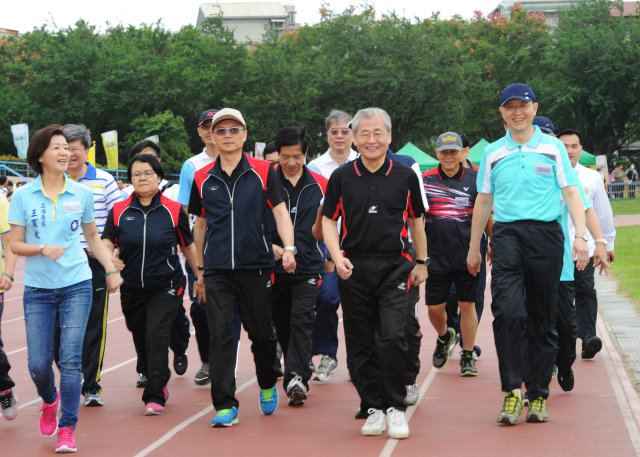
(591, 347)
(180, 364)
(296, 391)
(202, 376)
(165, 392)
(328, 366)
(225, 418)
(413, 393)
(398, 427)
(375, 424)
(9, 404)
(93, 398)
(511, 409)
(360, 414)
(268, 400)
(467, 364)
(443, 348)
(537, 411)
(141, 382)
(565, 380)
(312, 367)
(66, 440)
(49, 418)
(477, 350)
(153, 409)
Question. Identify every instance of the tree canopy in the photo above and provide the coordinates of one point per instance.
(431, 76)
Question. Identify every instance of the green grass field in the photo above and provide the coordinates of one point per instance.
(621, 207)
(626, 266)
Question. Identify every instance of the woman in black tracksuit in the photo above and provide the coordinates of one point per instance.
(147, 228)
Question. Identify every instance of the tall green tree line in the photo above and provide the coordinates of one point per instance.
(430, 75)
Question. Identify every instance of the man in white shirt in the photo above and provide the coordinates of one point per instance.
(585, 293)
(325, 325)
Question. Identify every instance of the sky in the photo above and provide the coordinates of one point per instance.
(24, 16)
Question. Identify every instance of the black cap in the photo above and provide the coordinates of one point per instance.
(208, 114)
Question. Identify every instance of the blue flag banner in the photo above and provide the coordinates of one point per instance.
(20, 134)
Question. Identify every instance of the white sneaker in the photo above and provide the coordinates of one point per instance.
(398, 427)
(413, 393)
(375, 424)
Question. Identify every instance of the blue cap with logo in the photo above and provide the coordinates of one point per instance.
(519, 91)
(544, 123)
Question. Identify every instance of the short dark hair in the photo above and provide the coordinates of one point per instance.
(39, 143)
(570, 132)
(269, 148)
(9, 183)
(146, 158)
(140, 145)
(463, 137)
(3, 180)
(292, 135)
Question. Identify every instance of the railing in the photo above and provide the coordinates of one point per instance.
(22, 170)
(624, 190)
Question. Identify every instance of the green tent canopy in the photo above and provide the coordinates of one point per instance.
(587, 159)
(475, 153)
(425, 161)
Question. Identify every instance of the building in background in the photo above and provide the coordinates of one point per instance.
(249, 21)
(6, 33)
(550, 9)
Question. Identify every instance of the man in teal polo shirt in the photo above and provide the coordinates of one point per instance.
(525, 174)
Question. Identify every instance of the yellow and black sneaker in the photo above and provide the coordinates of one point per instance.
(444, 347)
(537, 411)
(467, 364)
(511, 408)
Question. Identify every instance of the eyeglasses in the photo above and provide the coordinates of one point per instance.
(140, 174)
(377, 134)
(344, 131)
(205, 125)
(513, 108)
(230, 130)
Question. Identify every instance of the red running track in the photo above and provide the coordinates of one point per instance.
(455, 416)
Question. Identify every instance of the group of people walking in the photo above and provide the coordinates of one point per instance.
(278, 247)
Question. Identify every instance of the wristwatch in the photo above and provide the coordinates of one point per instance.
(601, 240)
(293, 249)
(426, 261)
(583, 236)
(42, 246)
(200, 267)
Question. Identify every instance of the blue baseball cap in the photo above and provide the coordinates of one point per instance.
(544, 123)
(519, 91)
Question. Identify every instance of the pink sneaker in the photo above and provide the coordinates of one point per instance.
(153, 409)
(66, 440)
(165, 391)
(49, 418)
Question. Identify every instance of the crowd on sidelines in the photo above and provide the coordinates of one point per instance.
(278, 247)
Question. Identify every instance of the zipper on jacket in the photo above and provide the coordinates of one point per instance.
(144, 247)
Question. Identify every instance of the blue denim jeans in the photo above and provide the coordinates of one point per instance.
(45, 310)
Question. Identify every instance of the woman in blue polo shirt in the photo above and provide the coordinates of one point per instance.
(46, 218)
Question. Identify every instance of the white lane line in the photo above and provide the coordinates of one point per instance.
(21, 318)
(178, 428)
(387, 451)
(16, 351)
(625, 394)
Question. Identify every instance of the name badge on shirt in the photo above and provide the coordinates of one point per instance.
(544, 169)
(72, 207)
(462, 202)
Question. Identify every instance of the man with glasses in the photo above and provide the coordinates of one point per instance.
(325, 324)
(105, 194)
(377, 198)
(525, 174)
(234, 195)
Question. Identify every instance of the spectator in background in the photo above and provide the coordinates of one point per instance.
(632, 177)
(120, 184)
(618, 181)
(271, 153)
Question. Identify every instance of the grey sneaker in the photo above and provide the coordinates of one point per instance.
(444, 348)
(328, 366)
(202, 376)
(413, 393)
(9, 404)
(296, 391)
(93, 398)
(375, 424)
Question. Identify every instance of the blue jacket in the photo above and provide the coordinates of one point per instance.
(237, 237)
(303, 212)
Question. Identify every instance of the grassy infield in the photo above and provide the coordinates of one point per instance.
(627, 264)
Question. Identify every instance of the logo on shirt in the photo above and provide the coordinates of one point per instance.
(172, 292)
(294, 210)
(268, 284)
(130, 218)
(313, 281)
(465, 189)
(402, 286)
(373, 210)
(214, 187)
(74, 225)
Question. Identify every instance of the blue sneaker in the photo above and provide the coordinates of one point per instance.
(225, 418)
(268, 400)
